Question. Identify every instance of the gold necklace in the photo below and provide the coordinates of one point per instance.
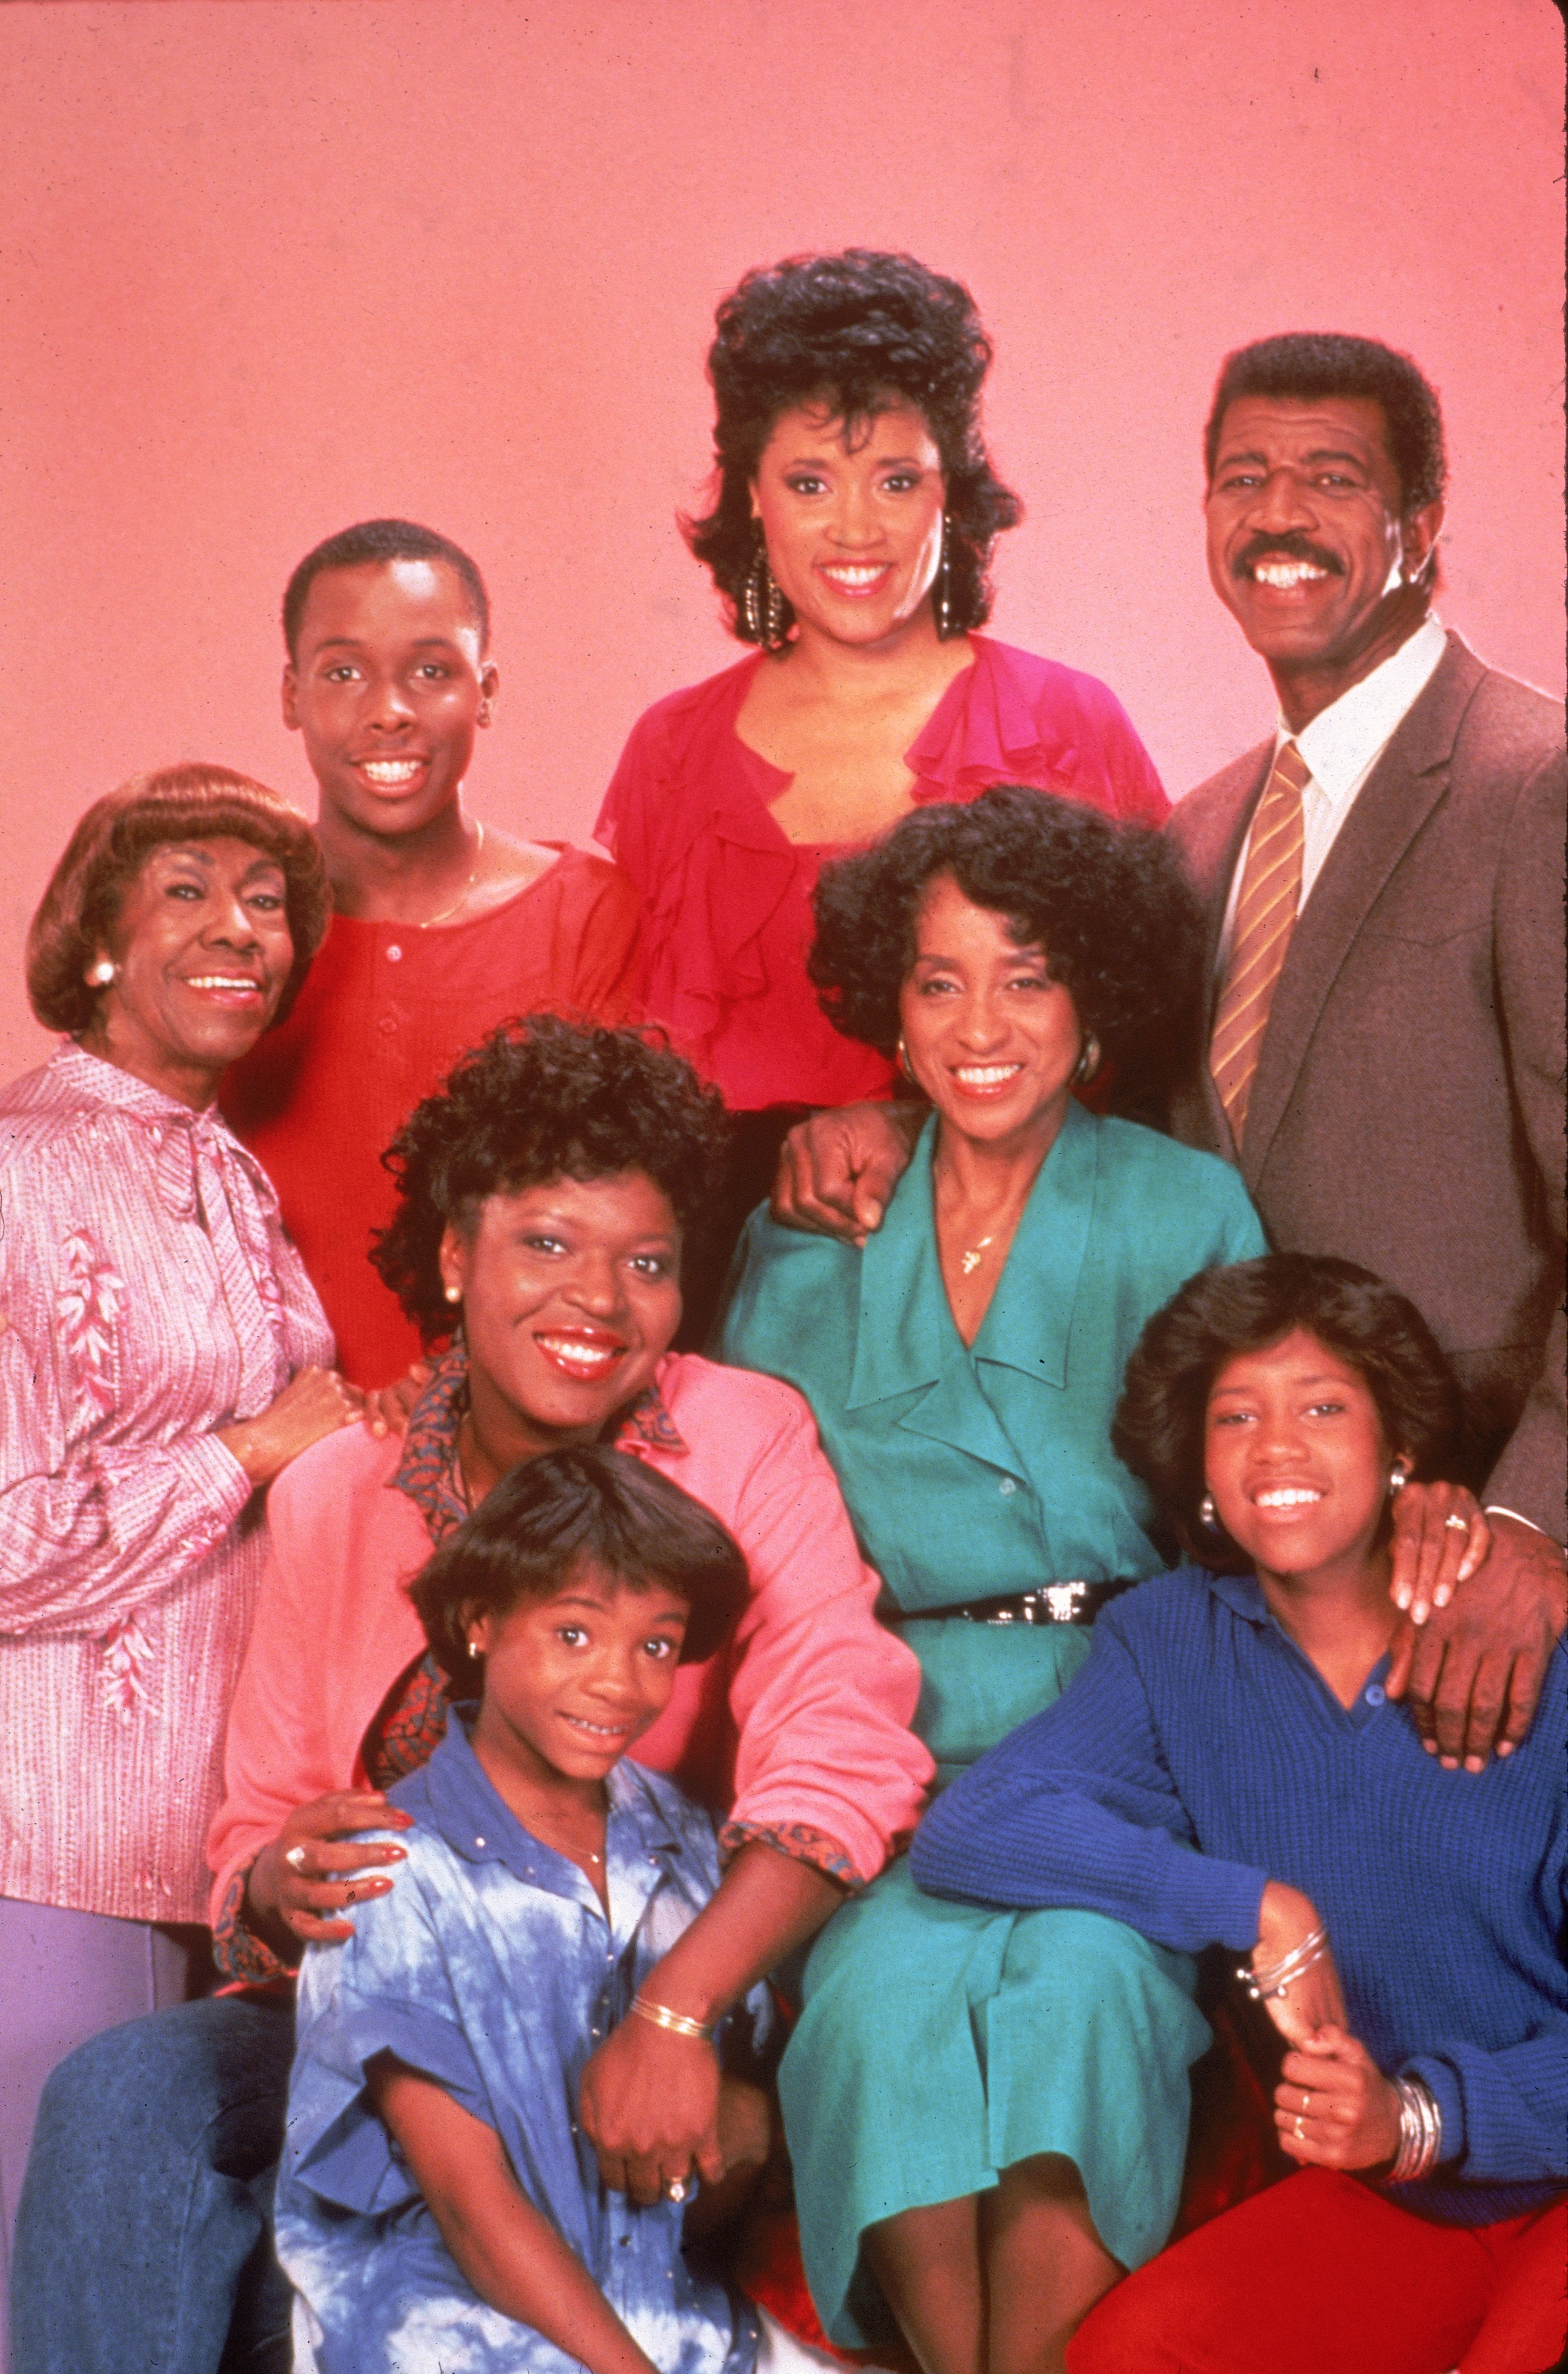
(430, 920)
(969, 1259)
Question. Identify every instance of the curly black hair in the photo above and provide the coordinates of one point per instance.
(852, 329)
(552, 1515)
(541, 1098)
(1158, 1430)
(1108, 903)
(1306, 365)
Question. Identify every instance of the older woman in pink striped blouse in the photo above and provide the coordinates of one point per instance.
(162, 1356)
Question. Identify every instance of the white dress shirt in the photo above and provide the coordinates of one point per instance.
(1341, 746)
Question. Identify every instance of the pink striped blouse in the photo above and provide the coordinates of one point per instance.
(148, 1296)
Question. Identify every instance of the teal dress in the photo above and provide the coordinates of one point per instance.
(941, 2043)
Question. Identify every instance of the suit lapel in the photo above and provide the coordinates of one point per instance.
(1390, 810)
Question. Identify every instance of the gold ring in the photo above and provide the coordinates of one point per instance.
(1456, 1524)
(1301, 2132)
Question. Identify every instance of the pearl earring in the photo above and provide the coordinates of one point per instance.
(1206, 1515)
(454, 1293)
(100, 974)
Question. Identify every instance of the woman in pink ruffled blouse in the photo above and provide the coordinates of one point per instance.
(162, 1356)
(854, 515)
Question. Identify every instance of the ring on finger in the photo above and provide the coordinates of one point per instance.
(295, 1858)
(1457, 1524)
(1301, 2132)
(676, 2190)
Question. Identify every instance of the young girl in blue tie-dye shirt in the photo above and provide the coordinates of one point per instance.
(438, 2207)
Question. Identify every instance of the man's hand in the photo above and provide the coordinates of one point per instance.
(1472, 1673)
(649, 2107)
(836, 1171)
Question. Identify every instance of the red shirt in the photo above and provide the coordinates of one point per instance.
(727, 897)
(385, 1012)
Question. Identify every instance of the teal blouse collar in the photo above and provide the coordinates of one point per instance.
(905, 1337)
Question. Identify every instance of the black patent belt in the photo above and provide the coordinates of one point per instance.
(1055, 1603)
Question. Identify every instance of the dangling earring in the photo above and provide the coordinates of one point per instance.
(1088, 1063)
(762, 605)
(475, 1649)
(1206, 1513)
(100, 974)
(1397, 1479)
(943, 590)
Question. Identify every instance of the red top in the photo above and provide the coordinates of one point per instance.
(727, 897)
(385, 1012)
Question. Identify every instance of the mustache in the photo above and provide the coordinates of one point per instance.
(1284, 547)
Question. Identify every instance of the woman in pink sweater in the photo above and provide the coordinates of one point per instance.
(542, 1195)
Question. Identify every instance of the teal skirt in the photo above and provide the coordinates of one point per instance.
(940, 2044)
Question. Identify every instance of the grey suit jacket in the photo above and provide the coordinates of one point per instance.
(1407, 1110)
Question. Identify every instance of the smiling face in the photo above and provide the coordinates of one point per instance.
(991, 1039)
(570, 1295)
(573, 1681)
(853, 527)
(202, 954)
(1296, 1458)
(388, 686)
(1309, 547)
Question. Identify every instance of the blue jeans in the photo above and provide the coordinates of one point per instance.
(144, 2238)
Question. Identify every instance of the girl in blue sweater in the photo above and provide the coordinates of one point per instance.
(1403, 1924)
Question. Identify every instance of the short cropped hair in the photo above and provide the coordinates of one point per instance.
(374, 541)
(852, 330)
(1158, 1430)
(1109, 903)
(539, 1100)
(79, 910)
(551, 1516)
(1310, 364)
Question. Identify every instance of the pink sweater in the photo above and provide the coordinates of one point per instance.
(148, 1296)
(803, 1720)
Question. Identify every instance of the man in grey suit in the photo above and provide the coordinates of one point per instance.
(1383, 883)
(1384, 1050)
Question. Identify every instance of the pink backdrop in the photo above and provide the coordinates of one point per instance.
(271, 265)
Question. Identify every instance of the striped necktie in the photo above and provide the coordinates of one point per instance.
(1265, 918)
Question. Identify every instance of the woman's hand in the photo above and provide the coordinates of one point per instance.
(836, 1171)
(1333, 2107)
(315, 1402)
(307, 1874)
(388, 1408)
(650, 2105)
(1441, 1536)
(1285, 1920)
(1472, 1674)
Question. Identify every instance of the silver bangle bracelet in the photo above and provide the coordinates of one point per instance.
(1420, 2131)
(1261, 1984)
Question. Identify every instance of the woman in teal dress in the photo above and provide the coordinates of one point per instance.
(987, 2112)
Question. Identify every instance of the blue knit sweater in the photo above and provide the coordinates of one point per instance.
(1199, 1722)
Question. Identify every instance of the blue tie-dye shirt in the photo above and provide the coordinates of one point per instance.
(491, 1969)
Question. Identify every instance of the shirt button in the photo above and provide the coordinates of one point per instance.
(388, 1025)
(478, 1842)
(394, 954)
(1007, 1488)
(1375, 1694)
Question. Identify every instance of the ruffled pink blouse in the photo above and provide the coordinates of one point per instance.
(727, 897)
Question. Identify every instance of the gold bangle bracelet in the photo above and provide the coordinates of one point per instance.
(660, 2015)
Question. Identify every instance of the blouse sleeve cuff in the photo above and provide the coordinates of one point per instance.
(799, 1840)
(240, 1954)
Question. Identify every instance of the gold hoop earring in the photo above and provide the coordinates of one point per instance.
(902, 1057)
